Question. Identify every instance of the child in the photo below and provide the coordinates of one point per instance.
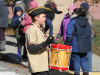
(27, 19)
(17, 29)
(36, 44)
(63, 27)
(27, 22)
(50, 16)
(64, 23)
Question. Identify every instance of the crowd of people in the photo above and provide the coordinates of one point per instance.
(77, 30)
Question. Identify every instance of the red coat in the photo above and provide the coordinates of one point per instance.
(27, 22)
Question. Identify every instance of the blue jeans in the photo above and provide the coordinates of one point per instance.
(89, 58)
(79, 59)
(49, 25)
(71, 63)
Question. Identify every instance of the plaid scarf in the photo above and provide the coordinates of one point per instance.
(53, 5)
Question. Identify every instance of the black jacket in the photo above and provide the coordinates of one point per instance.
(79, 35)
(52, 6)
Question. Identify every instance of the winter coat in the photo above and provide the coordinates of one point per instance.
(3, 14)
(53, 7)
(91, 22)
(16, 24)
(27, 22)
(63, 27)
(79, 35)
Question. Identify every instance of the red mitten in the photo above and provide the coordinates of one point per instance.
(61, 11)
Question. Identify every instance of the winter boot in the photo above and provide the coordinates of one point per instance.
(76, 74)
(20, 60)
(85, 73)
(2, 45)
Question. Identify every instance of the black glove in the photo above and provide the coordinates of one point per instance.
(49, 40)
(55, 43)
(21, 18)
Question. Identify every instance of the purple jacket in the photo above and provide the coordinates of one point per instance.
(63, 27)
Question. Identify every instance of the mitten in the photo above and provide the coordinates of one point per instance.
(57, 39)
(61, 11)
(49, 40)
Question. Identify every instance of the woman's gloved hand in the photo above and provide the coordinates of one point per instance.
(57, 39)
(61, 11)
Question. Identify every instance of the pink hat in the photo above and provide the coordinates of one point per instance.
(72, 7)
(33, 4)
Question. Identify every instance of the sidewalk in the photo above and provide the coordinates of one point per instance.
(11, 54)
(11, 50)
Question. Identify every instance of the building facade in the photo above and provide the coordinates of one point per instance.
(94, 11)
(62, 5)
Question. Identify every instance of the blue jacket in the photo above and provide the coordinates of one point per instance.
(15, 20)
(79, 35)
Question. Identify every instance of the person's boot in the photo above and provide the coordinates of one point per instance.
(76, 74)
(85, 73)
(2, 45)
(24, 57)
(20, 60)
(16, 45)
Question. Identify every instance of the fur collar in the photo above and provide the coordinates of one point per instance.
(73, 16)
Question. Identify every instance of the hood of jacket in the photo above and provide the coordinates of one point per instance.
(66, 16)
(3, 3)
(17, 9)
(81, 21)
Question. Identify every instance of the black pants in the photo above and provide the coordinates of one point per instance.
(24, 51)
(41, 73)
(21, 42)
(2, 34)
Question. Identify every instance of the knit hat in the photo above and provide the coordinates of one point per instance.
(72, 7)
(33, 4)
(85, 6)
